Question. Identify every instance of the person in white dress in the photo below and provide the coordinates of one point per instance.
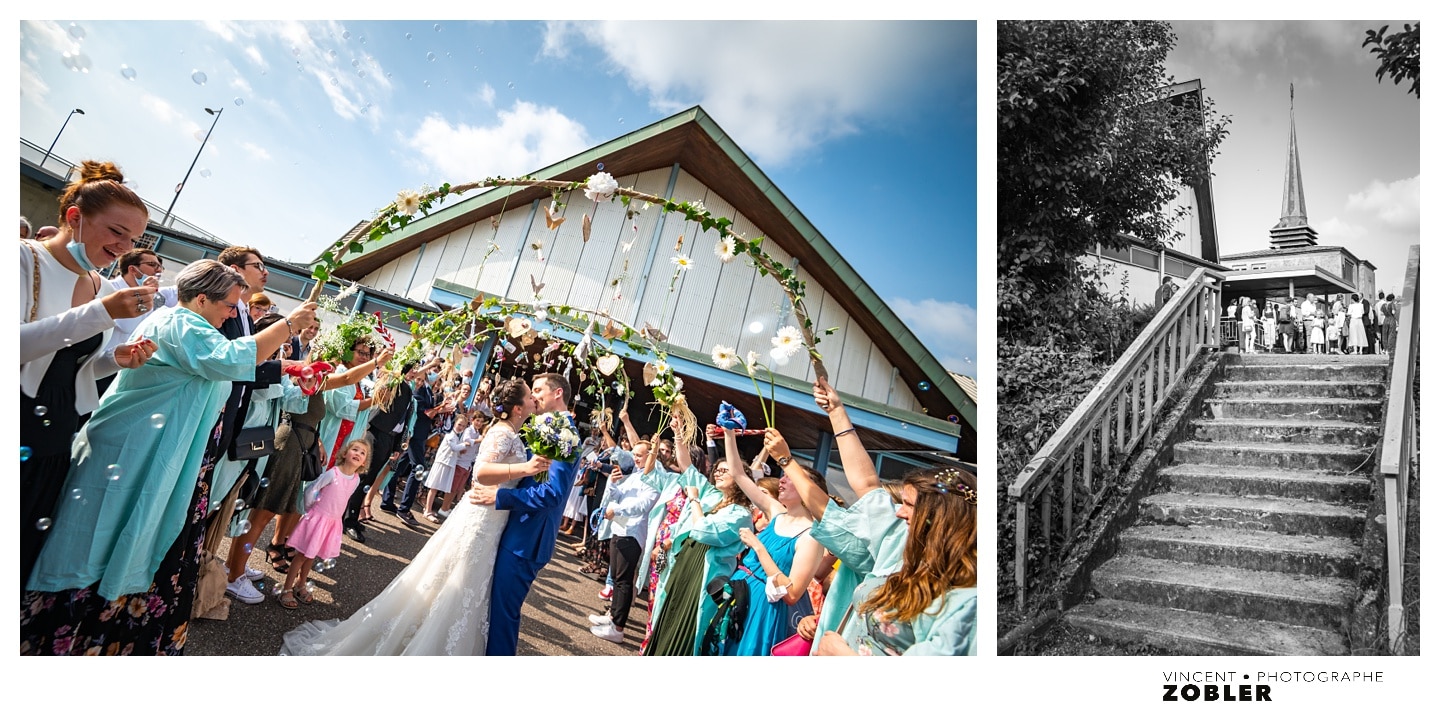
(440, 603)
(442, 473)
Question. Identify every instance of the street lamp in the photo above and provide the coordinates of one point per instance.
(181, 186)
(57, 136)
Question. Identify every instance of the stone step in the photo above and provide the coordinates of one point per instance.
(1328, 458)
(1292, 553)
(1193, 633)
(1284, 431)
(1276, 388)
(1308, 368)
(1256, 482)
(1360, 410)
(1261, 514)
(1314, 602)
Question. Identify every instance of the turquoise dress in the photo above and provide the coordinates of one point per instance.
(137, 460)
(766, 623)
(870, 539)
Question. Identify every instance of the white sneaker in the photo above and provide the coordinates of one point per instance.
(601, 619)
(244, 591)
(444, 513)
(608, 632)
(605, 593)
(254, 575)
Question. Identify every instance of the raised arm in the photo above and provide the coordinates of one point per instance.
(812, 496)
(770, 505)
(859, 467)
(351, 376)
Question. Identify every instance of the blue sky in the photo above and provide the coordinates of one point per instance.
(1359, 140)
(868, 127)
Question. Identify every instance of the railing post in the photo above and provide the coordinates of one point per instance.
(1022, 523)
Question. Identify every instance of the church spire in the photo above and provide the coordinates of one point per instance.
(1293, 230)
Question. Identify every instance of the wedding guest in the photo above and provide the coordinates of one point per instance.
(1358, 340)
(118, 574)
(629, 500)
(704, 546)
(919, 560)
(24, 228)
(319, 532)
(441, 478)
(67, 321)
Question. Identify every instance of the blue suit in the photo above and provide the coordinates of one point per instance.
(525, 546)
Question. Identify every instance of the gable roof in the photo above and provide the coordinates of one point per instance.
(694, 141)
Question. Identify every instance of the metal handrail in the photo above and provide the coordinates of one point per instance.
(1398, 443)
(1124, 403)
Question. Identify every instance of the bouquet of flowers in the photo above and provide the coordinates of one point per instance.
(551, 435)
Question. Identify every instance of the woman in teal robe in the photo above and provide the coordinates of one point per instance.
(118, 574)
(705, 545)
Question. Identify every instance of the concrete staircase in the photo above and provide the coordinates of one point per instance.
(1249, 544)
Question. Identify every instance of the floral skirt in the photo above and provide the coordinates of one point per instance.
(154, 622)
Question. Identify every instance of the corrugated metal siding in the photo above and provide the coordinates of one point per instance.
(877, 375)
(495, 278)
(638, 232)
(655, 294)
(588, 288)
(695, 291)
(903, 397)
(851, 376)
(732, 295)
(830, 315)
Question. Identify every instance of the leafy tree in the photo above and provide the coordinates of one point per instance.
(1091, 146)
(1399, 55)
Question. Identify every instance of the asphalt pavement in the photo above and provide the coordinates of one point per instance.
(553, 621)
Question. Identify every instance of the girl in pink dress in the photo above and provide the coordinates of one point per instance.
(319, 532)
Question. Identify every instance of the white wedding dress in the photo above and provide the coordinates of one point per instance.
(440, 603)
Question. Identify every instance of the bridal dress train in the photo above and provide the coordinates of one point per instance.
(440, 603)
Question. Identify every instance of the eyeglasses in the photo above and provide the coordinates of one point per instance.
(257, 265)
(159, 267)
(362, 351)
(232, 306)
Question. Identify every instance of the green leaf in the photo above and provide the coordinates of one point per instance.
(357, 248)
(328, 256)
(831, 331)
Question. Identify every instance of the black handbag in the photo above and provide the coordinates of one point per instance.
(252, 443)
(311, 463)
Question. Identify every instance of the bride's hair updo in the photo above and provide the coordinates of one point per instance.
(507, 396)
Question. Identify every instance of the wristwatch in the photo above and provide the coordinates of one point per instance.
(783, 461)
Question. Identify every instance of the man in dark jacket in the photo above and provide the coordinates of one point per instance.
(411, 467)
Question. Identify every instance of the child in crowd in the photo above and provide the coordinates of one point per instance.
(1317, 334)
(318, 534)
(442, 475)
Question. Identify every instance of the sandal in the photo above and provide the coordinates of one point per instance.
(288, 600)
(431, 516)
(303, 595)
(365, 514)
(278, 556)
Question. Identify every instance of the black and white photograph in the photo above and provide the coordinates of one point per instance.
(1208, 322)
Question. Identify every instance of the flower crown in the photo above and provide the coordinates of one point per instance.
(950, 481)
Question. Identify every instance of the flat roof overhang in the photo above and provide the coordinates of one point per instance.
(1277, 283)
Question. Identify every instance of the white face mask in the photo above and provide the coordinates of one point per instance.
(76, 248)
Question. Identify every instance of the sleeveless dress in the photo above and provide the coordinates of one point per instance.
(319, 532)
(440, 603)
(766, 623)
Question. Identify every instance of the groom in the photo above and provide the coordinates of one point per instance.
(529, 536)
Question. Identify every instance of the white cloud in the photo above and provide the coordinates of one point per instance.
(161, 109)
(487, 94)
(780, 89)
(49, 34)
(32, 84)
(256, 57)
(525, 138)
(1396, 203)
(946, 327)
(1337, 230)
(255, 151)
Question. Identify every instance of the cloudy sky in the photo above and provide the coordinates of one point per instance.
(1359, 139)
(868, 127)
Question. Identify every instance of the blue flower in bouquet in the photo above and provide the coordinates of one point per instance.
(553, 436)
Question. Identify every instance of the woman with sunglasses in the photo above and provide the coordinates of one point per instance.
(118, 573)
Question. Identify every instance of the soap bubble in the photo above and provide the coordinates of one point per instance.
(264, 482)
(46, 422)
(362, 40)
(354, 62)
(113, 472)
(127, 72)
(295, 49)
(427, 84)
(157, 420)
(199, 77)
(600, 166)
(76, 31)
(43, 523)
(360, 73)
(333, 54)
(622, 119)
(430, 57)
(924, 385)
(249, 547)
(25, 453)
(437, 27)
(239, 101)
(511, 85)
(205, 173)
(408, 36)
(345, 35)
(41, 410)
(76, 493)
(199, 135)
(952, 418)
(76, 61)
(245, 529)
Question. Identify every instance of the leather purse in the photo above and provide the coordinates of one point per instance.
(793, 645)
(253, 443)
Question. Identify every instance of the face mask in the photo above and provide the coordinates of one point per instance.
(432, 376)
(76, 248)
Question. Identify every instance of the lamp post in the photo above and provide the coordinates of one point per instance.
(181, 186)
(57, 136)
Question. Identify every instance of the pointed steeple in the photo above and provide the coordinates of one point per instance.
(1293, 230)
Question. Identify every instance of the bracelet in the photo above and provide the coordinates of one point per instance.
(850, 430)
(288, 327)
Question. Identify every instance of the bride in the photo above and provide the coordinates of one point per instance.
(440, 603)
